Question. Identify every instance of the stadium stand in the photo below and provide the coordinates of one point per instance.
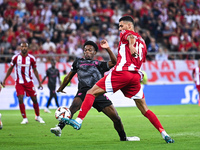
(55, 28)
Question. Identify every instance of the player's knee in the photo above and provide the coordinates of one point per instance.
(20, 98)
(117, 119)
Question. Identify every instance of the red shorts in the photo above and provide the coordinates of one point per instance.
(127, 81)
(25, 87)
(198, 87)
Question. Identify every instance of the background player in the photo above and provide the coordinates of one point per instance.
(24, 63)
(52, 73)
(126, 76)
(196, 78)
(89, 72)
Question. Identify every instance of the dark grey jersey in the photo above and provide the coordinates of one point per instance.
(89, 71)
(52, 74)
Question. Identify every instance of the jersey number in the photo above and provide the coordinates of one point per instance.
(139, 47)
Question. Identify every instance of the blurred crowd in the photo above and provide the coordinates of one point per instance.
(62, 26)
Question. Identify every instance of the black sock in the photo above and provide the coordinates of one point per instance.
(61, 125)
(122, 135)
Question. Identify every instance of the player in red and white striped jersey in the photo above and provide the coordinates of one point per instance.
(196, 77)
(24, 63)
(126, 77)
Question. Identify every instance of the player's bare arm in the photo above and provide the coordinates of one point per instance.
(37, 76)
(59, 79)
(0, 86)
(131, 40)
(66, 81)
(104, 44)
(7, 75)
(44, 79)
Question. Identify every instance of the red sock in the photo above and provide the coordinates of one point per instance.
(86, 106)
(36, 108)
(22, 110)
(154, 120)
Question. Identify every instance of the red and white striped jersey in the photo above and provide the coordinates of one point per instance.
(125, 61)
(23, 67)
(196, 75)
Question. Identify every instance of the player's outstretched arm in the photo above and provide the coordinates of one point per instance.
(37, 76)
(7, 75)
(0, 86)
(44, 79)
(66, 81)
(104, 44)
(59, 78)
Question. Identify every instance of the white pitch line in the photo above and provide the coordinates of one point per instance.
(195, 134)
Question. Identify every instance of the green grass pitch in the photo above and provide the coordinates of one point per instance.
(182, 122)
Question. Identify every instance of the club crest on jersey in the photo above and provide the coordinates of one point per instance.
(123, 31)
(96, 62)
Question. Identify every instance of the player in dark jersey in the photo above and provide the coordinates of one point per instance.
(52, 73)
(126, 76)
(89, 71)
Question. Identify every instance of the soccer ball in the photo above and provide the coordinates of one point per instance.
(62, 112)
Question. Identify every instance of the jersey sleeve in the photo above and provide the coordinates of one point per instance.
(13, 60)
(124, 34)
(33, 62)
(104, 66)
(74, 66)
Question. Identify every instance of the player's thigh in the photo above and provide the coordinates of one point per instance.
(30, 89)
(19, 89)
(133, 89)
(114, 81)
(101, 102)
(96, 91)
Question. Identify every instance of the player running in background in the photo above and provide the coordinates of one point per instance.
(126, 76)
(196, 78)
(89, 72)
(52, 73)
(24, 63)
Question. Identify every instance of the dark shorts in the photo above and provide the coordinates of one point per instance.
(52, 88)
(100, 102)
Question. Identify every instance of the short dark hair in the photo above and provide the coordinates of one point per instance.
(24, 43)
(53, 61)
(127, 18)
(91, 43)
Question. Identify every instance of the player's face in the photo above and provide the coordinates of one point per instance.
(53, 64)
(89, 52)
(24, 48)
(123, 25)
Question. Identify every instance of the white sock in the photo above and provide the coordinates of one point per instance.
(79, 120)
(164, 133)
